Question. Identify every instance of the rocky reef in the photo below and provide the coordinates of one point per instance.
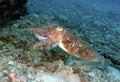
(11, 10)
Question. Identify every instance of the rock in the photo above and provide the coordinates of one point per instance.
(11, 10)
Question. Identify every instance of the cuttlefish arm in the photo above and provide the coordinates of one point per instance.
(47, 36)
(44, 41)
(57, 36)
(40, 37)
(41, 43)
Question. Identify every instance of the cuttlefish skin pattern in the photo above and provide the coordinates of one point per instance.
(53, 35)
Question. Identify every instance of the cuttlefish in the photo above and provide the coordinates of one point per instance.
(54, 35)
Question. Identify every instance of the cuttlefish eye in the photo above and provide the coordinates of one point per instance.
(59, 29)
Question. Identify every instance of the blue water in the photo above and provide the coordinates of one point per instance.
(103, 5)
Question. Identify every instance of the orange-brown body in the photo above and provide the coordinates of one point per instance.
(54, 35)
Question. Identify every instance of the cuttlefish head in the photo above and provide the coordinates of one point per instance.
(51, 33)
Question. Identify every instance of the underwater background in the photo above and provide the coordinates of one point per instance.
(95, 21)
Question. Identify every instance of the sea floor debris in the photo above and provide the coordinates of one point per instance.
(18, 71)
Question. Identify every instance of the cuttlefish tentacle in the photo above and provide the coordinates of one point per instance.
(41, 43)
(54, 35)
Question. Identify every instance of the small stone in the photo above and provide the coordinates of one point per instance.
(10, 62)
(92, 74)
